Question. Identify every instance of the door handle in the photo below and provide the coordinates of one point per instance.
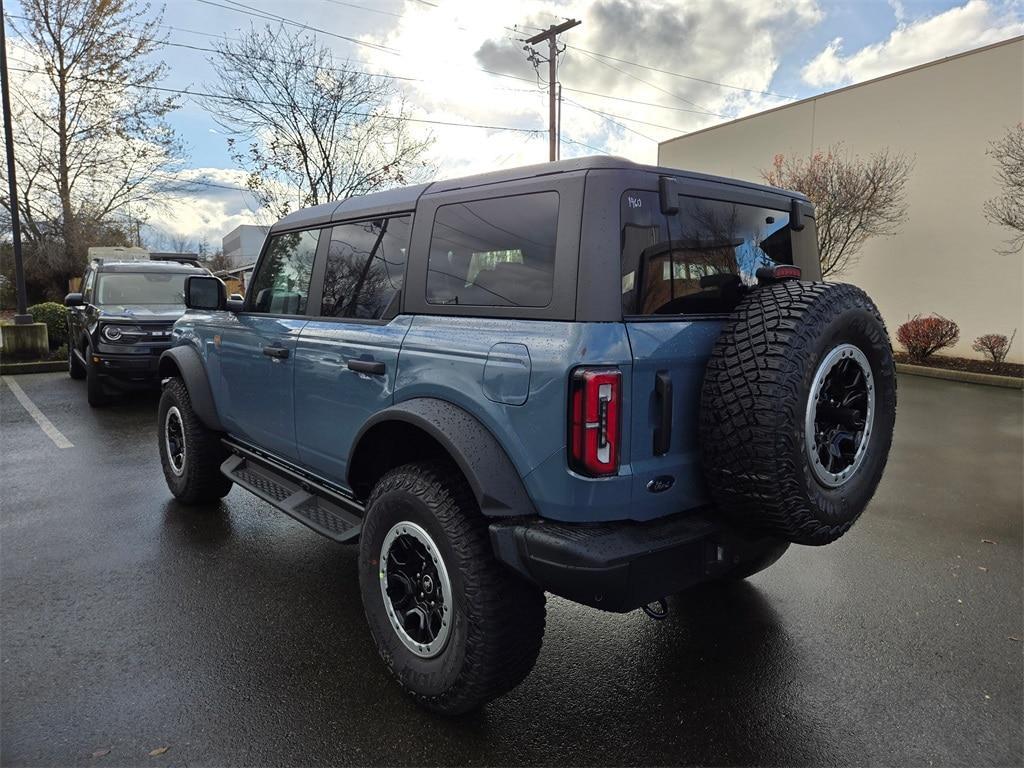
(366, 366)
(279, 353)
(663, 396)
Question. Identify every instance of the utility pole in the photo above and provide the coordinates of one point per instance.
(22, 317)
(551, 35)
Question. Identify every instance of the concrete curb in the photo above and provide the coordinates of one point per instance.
(968, 377)
(40, 366)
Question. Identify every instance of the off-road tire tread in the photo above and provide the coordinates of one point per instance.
(204, 483)
(506, 613)
(751, 400)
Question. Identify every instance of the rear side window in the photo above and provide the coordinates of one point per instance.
(281, 283)
(365, 267)
(701, 260)
(494, 253)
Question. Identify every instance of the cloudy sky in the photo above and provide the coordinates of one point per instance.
(704, 62)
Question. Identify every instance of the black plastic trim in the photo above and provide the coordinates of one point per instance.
(189, 365)
(621, 566)
(494, 480)
(309, 480)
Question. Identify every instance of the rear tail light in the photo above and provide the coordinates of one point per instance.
(778, 272)
(595, 409)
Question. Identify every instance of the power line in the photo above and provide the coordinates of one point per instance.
(624, 117)
(202, 94)
(609, 119)
(366, 8)
(565, 140)
(681, 75)
(267, 15)
(647, 83)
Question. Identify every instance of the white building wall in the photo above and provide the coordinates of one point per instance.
(944, 115)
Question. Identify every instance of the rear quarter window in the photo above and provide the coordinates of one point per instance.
(498, 252)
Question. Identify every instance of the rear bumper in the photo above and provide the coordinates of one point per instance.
(624, 565)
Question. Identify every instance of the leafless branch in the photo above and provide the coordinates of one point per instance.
(308, 129)
(855, 198)
(1007, 209)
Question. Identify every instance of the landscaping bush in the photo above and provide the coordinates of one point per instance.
(56, 318)
(922, 337)
(995, 345)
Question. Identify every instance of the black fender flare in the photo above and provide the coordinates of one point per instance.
(185, 362)
(494, 480)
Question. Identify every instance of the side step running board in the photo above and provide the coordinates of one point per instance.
(295, 497)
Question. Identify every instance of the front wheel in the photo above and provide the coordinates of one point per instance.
(190, 454)
(454, 627)
(95, 391)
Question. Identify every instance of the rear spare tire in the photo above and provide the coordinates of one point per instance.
(797, 410)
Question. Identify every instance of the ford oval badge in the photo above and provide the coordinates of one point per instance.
(660, 483)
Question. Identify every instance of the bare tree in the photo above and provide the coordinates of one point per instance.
(180, 243)
(855, 199)
(1007, 209)
(91, 145)
(217, 261)
(310, 129)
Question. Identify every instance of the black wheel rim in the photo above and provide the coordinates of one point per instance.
(840, 409)
(174, 439)
(416, 589)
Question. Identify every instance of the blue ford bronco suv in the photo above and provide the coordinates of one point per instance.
(593, 378)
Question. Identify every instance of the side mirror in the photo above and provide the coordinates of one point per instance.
(74, 300)
(205, 292)
(796, 215)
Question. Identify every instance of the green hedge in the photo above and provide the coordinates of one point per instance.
(56, 318)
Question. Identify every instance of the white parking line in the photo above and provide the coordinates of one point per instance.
(44, 423)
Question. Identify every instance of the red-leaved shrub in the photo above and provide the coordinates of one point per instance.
(922, 337)
(995, 345)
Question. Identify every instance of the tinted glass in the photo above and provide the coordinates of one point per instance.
(90, 278)
(365, 267)
(281, 283)
(498, 252)
(204, 293)
(124, 288)
(700, 260)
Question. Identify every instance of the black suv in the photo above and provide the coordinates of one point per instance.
(120, 322)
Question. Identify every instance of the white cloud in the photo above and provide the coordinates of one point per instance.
(974, 24)
(201, 211)
(734, 41)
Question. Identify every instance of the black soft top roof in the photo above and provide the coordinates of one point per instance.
(404, 198)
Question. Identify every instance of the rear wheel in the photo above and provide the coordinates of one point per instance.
(454, 627)
(797, 410)
(190, 454)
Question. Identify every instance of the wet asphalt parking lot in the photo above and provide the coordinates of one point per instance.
(235, 635)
